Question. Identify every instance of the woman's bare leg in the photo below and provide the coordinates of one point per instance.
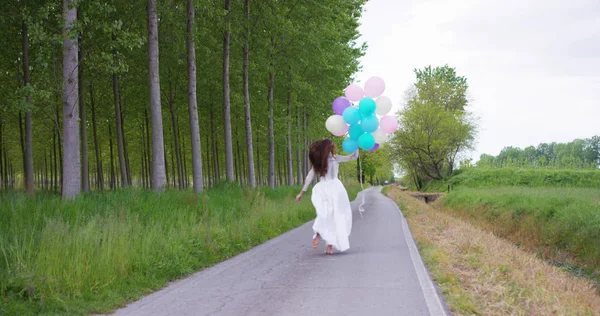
(329, 250)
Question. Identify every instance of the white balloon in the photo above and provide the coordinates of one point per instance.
(335, 124)
(380, 137)
(384, 105)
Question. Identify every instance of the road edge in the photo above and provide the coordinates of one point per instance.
(433, 298)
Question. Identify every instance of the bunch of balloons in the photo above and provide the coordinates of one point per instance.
(360, 120)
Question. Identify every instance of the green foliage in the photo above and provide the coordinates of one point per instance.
(434, 126)
(376, 165)
(578, 154)
(442, 86)
(120, 245)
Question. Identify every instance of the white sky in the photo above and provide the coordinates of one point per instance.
(533, 66)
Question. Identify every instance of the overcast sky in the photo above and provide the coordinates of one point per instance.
(533, 66)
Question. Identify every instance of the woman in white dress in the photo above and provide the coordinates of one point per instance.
(334, 213)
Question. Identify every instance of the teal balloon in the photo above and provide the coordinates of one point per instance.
(351, 115)
(370, 123)
(355, 131)
(367, 106)
(366, 141)
(350, 145)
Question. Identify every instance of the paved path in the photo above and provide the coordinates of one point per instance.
(381, 274)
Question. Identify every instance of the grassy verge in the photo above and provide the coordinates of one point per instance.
(481, 274)
(101, 250)
(560, 224)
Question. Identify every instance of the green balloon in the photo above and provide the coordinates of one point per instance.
(366, 141)
(355, 131)
(367, 106)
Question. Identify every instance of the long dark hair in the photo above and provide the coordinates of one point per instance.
(319, 153)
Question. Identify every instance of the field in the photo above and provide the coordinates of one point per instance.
(555, 213)
(101, 250)
(482, 274)
(562, 224)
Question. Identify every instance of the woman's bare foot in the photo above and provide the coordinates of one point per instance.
(329, 250)
(315, 241)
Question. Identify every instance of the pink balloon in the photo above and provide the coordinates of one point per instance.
(341, 133)
(354, 92)
(374, 87)
(388, 124)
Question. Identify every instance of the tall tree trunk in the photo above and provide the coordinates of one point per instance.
(166, 167)
(175, 136)
(149, 152)
(198, 180)
(85, 174)
(59, 143)
(247, 112)
(298, 149)
(271, 175)
(45, 181)
(119, 130)
(55, 164)
(113, 180)
(258, 167)
(6, 169)
(290, 167)
(125, 153)
(142, 178)
(186, 181)
(22, 144)
(72, 161)
(208, 163)
(143, 161)
(306, 144)
(215, 154)
(218, 160)
(158, 146)
(28, 171)
(99, 172)
(173, 166)
(226, 98)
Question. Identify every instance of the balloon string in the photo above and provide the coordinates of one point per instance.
(360, 171)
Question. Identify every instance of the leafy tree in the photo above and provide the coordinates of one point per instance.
(434, 125)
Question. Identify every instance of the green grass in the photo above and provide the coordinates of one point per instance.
(103, 249)
(555, 213)
(564, 218)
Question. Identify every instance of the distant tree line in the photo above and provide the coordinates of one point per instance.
(578, 154)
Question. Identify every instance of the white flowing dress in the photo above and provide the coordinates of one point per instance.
(330, 198)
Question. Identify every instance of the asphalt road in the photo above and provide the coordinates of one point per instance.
(381, 274)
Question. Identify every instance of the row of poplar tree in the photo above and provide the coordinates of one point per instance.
(97, 94)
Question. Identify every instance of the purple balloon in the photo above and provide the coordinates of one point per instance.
(373, 149)
(340, 104)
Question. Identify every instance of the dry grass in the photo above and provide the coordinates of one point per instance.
(481, 274)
